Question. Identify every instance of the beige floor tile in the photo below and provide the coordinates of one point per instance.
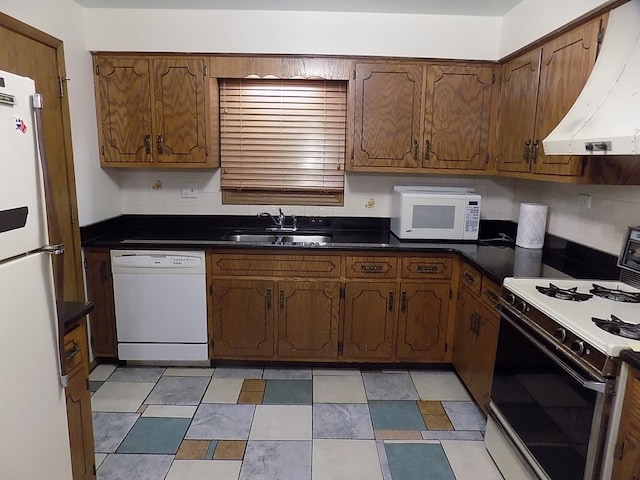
(337, 371)
(439, 386)
(430, 407)
(173, 411)
(120, 396)
(398, 435)
(230, 450)
(102, 372)
(204, 470)
(192, 450)
(281, 422)
(253, 398)
(223, 390)
(338, 389)
(188, 372)
(437, 422)
(470, 460)
(348, 459)
(254, 385)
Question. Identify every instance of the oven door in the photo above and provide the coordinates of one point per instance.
(552, 411)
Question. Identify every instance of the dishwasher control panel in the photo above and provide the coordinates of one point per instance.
(137, 259)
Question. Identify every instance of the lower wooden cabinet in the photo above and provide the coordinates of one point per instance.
(627, 451)
(100, 291)
(79, 404)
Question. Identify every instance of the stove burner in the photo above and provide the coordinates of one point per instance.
(615, 295)
(564, 293)
(616, 326)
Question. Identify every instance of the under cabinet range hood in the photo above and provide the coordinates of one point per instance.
(605, 120)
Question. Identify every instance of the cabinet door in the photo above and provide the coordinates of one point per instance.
(464, 336)
(123, 98)
(627, 461)
(100, 291)
(457, 115)
(422, 323)
(518, 97)
(308, 319)
(484, 354)
(566, 65)
(242, 318)
(369, 314)
(388, 115)
(180, 110)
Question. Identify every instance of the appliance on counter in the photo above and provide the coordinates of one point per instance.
(161, 305)
(557, 383)
(435, 213)
(31, 345)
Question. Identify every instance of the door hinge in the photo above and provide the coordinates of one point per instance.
(618, 451)
(61, 83)
(342, 291)
(72, 213)
(493, 79)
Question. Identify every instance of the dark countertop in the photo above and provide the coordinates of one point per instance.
(497, 259)
(74, 312)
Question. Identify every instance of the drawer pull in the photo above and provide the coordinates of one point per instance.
(147, 144)
(491, 296)
(427, 268)
(371, 268)
(72, 352)
(469, 278)
(390, 302)
(269, 304)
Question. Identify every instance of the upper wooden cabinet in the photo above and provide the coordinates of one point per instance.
(538, 89)
(152, 111)
(413, 117)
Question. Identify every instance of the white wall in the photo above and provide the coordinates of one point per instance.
(602, 227)
(98, 192)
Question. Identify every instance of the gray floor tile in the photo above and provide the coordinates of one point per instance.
(94, 385)
(389, 386)
(221, 422)
(288, 392)
(415, 461)
(287, 373)
(140, 467)
(178, 391)
(396, 415)
(342, 420)
(453, 435)
(228, 372)
(282, 460)
(109, 429)
(465, 415)
(384, 461)
(155, 435)
(136, 374)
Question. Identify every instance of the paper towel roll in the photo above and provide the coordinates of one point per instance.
(531, 225)
(527, 262)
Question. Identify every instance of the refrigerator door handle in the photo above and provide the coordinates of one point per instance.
(57, 251)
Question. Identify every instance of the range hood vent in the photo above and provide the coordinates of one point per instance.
(605, 120)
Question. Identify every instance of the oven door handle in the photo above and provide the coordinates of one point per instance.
(586, 383)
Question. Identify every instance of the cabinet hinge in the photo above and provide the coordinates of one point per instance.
(340, 347)
(97, 69)
(86, 382)
(487, 159)
(493, 79)
(618, 451)
(342, 291)
(72, 214)
(446, 347)
(102, 150)
(211, 290)
(84, 263)
(61, 82)
(352, 153)
(600, 36)
(206, 151)
(354, 73)
(450, 293)
(206, 71)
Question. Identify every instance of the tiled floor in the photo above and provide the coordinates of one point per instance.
(155, 423)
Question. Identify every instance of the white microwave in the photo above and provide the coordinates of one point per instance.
(435, 213)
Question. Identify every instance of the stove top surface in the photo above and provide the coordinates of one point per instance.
(576, 315)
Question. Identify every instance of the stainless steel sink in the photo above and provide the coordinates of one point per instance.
(302, 238)
(252, 237)
(278, 239)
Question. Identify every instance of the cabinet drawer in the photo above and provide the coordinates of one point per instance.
(317, 266)
(75, 348)
(371, 267)
(425, 267)
(490, 293)
(471, 278)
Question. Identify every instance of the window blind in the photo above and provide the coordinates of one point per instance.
(283, 135)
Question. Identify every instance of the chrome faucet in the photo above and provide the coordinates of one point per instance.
(280, 221)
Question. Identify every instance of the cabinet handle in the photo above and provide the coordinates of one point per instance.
(403, 305)
(534, 151)
(72, 352)
(427, 149)
(527, 153)
(160, 144)
(427, 268)
(371, 268)
(415, 149)
(281, 299)
(103, 271)
(269, 304)
(491, 296)
(390, 302)
(147, 144)
(469, 278)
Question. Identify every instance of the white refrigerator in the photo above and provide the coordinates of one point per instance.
(33, 416)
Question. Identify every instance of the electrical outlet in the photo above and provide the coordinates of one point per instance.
(584, 201)
(189, 190)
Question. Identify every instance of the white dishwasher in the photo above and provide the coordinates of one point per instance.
(161, 305)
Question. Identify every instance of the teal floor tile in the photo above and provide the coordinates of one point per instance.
(211, 450)
(288, 392)
(155, 435)
(418, 461)
(396, 415)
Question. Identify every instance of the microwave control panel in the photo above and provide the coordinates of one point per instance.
(472, 218)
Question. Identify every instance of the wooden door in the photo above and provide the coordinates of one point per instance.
(369, 317)
(123, 94)
(422, 322)
(517, 113)
(457, 115)
(242, 318)
(484, 354)
(566, 65)
(180, 109)
(32, 53)
(464, 338)
(100, 292)
(388, 115)
(308, 319)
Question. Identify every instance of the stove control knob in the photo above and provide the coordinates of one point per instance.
(523, 307)
(578, 347)
(560, 334)
(511, 299)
